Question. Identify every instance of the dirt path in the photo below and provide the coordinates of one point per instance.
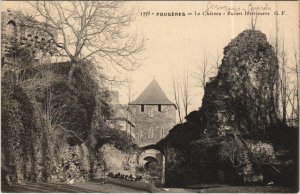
(87, 187)
(97, 187)
(233, 189)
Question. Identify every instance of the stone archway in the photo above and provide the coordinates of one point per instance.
(152, 167)
(154, 163)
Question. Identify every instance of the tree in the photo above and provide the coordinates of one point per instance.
(129, 93)
(296, 71)
(286, 88)
(181, 92)
(276, 52)
(293, 95)
(282, 59)
(205, 70)
(185, 92)
(253, 21)
(176, 93)
(282, 55)
(288, 83)
(89, 30)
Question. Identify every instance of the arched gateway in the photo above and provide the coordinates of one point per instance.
(154, 163)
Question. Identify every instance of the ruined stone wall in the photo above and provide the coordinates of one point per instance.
(238, 110)
(117, 161)
(242, 96)
(152, 125)
(14, 26)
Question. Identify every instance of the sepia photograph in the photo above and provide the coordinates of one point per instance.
(150, 96)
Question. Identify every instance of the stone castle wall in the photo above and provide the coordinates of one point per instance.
(117, 161)
(152, 125)
(14, 25)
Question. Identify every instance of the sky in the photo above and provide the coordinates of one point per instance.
(176, 43)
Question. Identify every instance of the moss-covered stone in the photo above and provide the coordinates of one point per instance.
(224, 139)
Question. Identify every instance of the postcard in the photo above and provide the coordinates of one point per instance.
(150, 96)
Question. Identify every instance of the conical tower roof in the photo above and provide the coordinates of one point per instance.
(153, 95)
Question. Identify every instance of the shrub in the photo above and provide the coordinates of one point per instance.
(120, 139)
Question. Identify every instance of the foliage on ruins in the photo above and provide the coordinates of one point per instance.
(237, 130)
(52, 125)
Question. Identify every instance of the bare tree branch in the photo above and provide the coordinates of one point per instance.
(176, 92)
(91, 29)
(205, 70)
(185, 92)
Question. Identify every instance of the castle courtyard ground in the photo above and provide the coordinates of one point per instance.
(96, 187)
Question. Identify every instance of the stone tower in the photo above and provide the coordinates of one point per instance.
(154, 115)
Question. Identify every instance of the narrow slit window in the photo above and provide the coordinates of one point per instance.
(142, 108)
(159, 108)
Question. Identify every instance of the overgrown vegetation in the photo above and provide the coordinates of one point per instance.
(52, 126)
(237, 132)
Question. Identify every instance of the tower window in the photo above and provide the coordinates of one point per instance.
(142, 108)
(159, 108)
